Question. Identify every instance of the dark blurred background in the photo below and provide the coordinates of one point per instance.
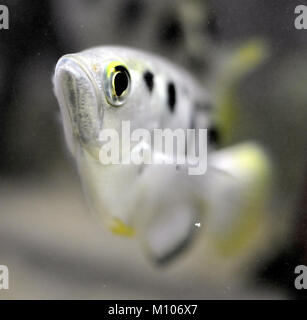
(43, 217)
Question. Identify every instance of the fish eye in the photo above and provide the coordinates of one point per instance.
(117, 83)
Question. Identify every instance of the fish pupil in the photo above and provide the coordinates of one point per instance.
(120, 83)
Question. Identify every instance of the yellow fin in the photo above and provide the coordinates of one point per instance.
(120, 228)
(244, 60)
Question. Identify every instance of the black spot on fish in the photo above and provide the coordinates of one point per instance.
(170, 31)
(149, 80)
(214, 135)
(171, 96)
(131, 12)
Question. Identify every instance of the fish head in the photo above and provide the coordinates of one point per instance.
(99, 89)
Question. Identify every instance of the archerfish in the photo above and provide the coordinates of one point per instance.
(102, 87)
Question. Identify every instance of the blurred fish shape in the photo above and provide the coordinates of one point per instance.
(162, 204)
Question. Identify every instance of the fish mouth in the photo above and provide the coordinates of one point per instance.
(80, 102)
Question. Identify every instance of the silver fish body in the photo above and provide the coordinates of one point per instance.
(100, 88)
(81, 86)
